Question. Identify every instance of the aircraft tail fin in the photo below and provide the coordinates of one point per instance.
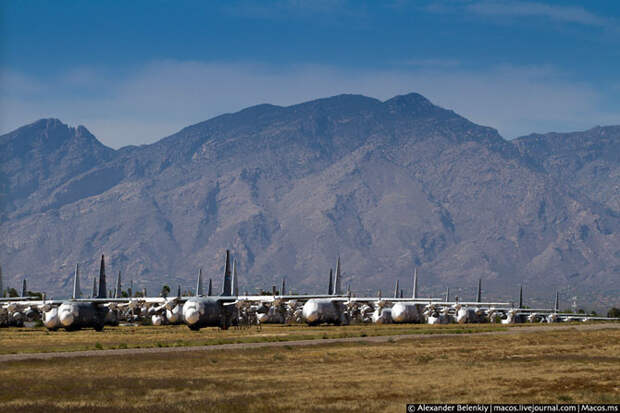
(24, 288)
(94, 292)
(556, 306)
(76, 283)
(227, 287)
(199, 291)
(283, 290)
(210, 290)
(396, 289)
(102, 285)
(179, 291)
(447, 294)
(479, 295)
(330, 289)
(117, 288)
(415, 283)
(235, 280)
(337, 280)
(521, 296)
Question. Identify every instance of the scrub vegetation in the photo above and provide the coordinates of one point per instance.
(551, 366)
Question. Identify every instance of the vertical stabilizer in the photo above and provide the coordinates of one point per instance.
(556, 307)
(179, 291)
(402, 293)
(102, 287)
(199, 291)
(396, 289)
(415, 283)
(283, 290)
(24, 288)
(447, 295)
(337, 279)
(76, 282)
(479, 295)
(210, 290)
(235, 280)
(330, 289)
(227, 287)
(117, 289)
(521, 296)
(94, 292)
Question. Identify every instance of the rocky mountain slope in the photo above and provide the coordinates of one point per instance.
(386, 185)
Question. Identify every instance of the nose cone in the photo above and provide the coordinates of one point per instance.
(191, 316)
(262, 318)
(66, 318)
(156, 320)
(310, 312)
(399, 313)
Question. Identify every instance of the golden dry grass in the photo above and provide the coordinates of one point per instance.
(541, 366)
(39, 340)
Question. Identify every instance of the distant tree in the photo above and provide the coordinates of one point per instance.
(124, 294)
(265, 292)
(138, 294)
(13, 292)
(165, 291)
(35, 294)
(581, 311)
(614, 312)
(594, 313)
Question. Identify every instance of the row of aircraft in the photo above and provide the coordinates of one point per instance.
(229, 308)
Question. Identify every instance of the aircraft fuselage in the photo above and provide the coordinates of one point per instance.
(75, 315)
(199, 312)
(323, 310)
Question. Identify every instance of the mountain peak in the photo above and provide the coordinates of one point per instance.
(418, 106)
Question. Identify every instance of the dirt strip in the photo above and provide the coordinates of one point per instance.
(314, 342)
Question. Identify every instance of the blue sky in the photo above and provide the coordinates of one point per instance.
(134, 72)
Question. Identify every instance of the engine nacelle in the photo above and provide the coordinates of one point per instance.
(50, 318)
(382, 316)
(175, 315)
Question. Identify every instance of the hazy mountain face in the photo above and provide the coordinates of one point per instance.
(588, 161)
(386, 185)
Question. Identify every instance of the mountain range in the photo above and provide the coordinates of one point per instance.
(386, 185)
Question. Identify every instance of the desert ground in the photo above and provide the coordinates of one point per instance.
(574, 364)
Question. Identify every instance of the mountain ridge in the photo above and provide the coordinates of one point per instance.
(290, 188)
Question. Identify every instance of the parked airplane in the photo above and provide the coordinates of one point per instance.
(212, 311)
(77, 312)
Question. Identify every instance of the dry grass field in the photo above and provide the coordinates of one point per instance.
(543, 366)
(39, 340)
